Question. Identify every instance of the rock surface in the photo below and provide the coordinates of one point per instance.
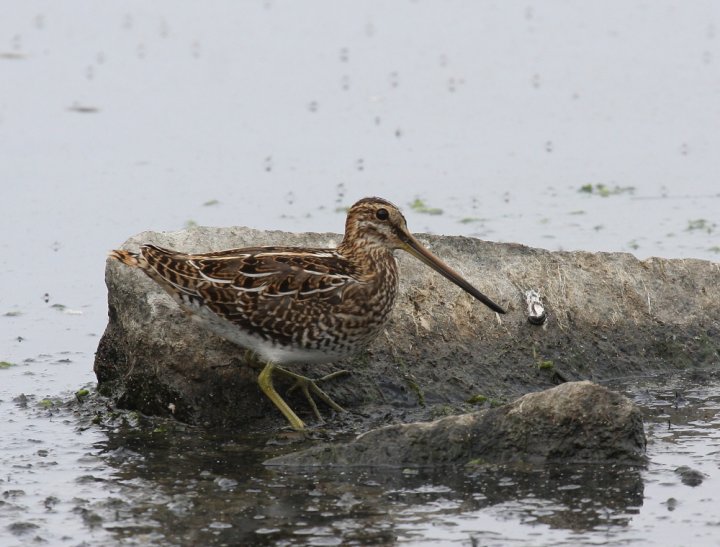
(574, 422)
(609, 315)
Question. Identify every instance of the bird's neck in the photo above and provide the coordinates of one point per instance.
(369, 258)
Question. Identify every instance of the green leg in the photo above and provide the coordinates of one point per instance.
(266, 384)
(306, 385)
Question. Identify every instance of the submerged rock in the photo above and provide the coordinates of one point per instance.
(607, 315)
(690, 476)
(574, 422)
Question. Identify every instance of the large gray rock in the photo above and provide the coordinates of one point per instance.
(574, 422)
(609, 315)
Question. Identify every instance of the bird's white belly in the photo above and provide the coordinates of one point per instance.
(268, 350)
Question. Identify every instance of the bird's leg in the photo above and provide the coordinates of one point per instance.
(266, 384)
(309, 386)
(251, 359)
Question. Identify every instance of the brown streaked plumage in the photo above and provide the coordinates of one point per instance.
(293, 305)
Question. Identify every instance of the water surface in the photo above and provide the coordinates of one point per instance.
(564, 126)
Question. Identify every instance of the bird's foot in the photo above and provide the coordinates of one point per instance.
(309, 387)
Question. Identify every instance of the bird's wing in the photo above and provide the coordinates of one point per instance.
(241, 282)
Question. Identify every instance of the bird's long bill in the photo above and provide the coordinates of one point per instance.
(414, 247)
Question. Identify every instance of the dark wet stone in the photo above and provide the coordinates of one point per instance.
(689, 476)
(90, 518)
(574, 422)
(608, 315)
(88, 479)
(22, 528)
(50, 502)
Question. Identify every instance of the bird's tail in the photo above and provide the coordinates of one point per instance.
(126, 257)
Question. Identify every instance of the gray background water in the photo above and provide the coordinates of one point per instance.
(121, 117)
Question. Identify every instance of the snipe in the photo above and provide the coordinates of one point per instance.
(297, 305)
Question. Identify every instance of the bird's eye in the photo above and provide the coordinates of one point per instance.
(382, 214)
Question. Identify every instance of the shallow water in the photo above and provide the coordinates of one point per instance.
(133, 480)
(477, 119)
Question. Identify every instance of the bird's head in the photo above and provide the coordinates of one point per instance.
(374, 222)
